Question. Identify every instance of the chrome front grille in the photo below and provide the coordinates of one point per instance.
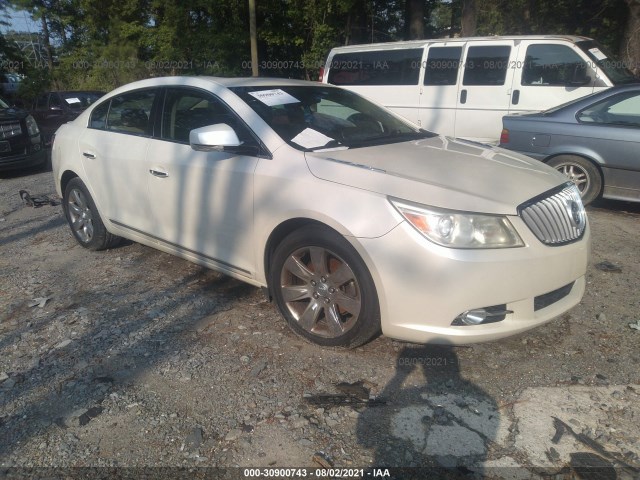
(556, 218)
(10, 129)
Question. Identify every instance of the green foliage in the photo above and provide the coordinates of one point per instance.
(103, 44)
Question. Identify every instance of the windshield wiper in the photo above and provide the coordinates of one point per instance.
(330, 144)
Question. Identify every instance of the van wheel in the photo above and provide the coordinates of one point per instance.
(84, 219)
(584, 174)
(323, 288)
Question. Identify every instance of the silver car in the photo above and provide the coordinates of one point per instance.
(594, 141)
(355, 221)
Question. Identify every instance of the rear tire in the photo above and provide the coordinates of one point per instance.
(83, 218)
(584, 174)
(323, 288)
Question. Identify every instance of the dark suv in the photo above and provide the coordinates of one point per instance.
(52, 109)
(20, 140)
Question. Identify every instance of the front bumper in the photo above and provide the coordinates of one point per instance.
(423, 287)
(24, 155)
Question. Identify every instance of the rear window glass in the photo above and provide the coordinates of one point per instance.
(486, 65)
(442, 66)
(381, 67)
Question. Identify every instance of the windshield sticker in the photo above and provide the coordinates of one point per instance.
(72, 100)
(310, 138)
(598, 54)
(274, 97)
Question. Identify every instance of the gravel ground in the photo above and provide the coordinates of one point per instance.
(132, 357)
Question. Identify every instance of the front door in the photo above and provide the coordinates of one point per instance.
(202, 202)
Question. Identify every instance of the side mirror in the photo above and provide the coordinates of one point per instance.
(213, 138)
(579, 77)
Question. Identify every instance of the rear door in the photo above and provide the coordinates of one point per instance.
(439, 93)
(485, 92)
(113, 151)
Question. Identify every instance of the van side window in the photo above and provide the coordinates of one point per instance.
(380, 67)
(551, 65)
(442, 66)
(486, 65)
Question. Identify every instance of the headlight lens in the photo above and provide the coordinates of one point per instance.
(32, 126)
(454, 229)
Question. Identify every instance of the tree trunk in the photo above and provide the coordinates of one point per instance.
(469, 18)
(414, 19)
(47, 42)
(630, 48)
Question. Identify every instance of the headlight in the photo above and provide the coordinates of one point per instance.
(32, 126)
(454, 229)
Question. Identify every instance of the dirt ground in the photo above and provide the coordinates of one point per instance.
(135, 358)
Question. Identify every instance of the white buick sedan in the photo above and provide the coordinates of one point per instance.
(354, 220)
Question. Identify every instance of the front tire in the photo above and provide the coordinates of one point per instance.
(584, 174)
(83, 218)
(323, 288)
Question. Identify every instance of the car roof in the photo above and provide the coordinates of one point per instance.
(421, 43)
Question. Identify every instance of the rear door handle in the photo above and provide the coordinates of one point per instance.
(463, 96)
(158, 173)
(515, 97)
(89, 155)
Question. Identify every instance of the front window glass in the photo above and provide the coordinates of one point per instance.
(3, 104)
(187, 109)
(130, 112)
(615, 69)
(622, 109)
(548, 64)
(321, 117)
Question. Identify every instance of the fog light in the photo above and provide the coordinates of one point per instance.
(473, 317)
(477, 316)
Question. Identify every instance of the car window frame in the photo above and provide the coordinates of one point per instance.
(152, 114)
(263, 151)
(612, 98)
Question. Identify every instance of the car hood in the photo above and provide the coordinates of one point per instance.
(441, 172)
(12, 114)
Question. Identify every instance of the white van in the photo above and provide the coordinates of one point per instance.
(463, 86)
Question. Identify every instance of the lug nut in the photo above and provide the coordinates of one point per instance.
(315, 295)
(326, 300)
(313, 283)
(322, 279)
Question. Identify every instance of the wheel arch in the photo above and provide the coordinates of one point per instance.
(65, 178)
(594, 160)
(278, 234)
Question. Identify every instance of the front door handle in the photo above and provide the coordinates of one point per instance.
(158, 173)
(89, 155)
(463, 96)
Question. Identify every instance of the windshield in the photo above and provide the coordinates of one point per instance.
(615, 69)
(321, 117)
(80, 100)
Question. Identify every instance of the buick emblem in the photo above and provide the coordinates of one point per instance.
(575, 214)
